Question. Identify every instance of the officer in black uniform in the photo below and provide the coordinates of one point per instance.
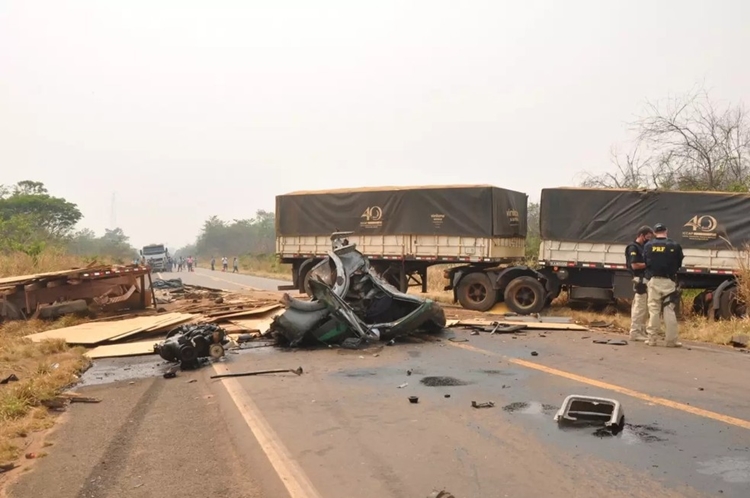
(663, 258)
(637, 266)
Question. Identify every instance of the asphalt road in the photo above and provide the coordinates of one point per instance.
(226, 280)
(345, 428)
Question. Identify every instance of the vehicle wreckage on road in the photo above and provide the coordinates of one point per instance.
(353, 303)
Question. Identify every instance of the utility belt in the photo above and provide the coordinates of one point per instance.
(639, 284)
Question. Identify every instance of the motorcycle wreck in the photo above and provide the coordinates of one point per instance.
(191, 345)
(352, 305)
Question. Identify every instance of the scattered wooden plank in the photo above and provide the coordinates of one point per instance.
(91, 334)
(245, 313)
(124, 349)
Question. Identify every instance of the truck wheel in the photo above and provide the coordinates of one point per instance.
(475, 292)
(728, 305)
(525, 295)
(303, 286)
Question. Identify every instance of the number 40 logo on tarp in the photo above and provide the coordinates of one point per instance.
(373, 217)
(701, 227)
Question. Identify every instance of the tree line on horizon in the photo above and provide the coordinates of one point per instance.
(690, 142)
(33, 221)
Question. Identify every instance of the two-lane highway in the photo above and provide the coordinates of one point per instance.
(225, 280)
(346, 428)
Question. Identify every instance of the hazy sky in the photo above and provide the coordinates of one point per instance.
(187, 109)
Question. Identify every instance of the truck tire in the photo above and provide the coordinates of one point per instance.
(303, 285)
(525, 295)
(475, 292)
(728, 304)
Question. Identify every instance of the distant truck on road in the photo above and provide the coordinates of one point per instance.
(156, 256)
(403, 230)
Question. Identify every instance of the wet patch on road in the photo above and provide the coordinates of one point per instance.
(731, 469)
(107, 371)
(443, 381)
(532, 408)
(360, 373)
(496, 372)
(414, 354)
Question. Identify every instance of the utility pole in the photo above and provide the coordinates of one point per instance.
(113, 213)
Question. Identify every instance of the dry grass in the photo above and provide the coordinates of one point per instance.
(43, 369)
(18, 263)
(263, 266)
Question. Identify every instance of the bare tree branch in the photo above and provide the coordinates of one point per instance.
(685, 143)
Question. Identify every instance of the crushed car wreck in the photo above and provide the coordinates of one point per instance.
(352, 303)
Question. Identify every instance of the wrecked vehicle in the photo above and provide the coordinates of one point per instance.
(189, 344)
(352, 303)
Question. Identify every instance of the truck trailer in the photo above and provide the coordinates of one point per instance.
(584, 233)
(403, 230)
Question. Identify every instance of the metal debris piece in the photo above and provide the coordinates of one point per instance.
(6, 467)
(579, 408)
(297, 371)
(403, 385)
(534, 353)
(414, 399)
(457, 339)
(409, 372)
(189, 343)
(611, 342)
(488, 404)
(441, 494)
(10, 378)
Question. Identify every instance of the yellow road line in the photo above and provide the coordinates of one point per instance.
(291, 474)
(738, 422)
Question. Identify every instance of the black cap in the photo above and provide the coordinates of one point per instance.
(660, 227)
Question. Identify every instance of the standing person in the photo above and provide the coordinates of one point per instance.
(213, 263)
(637, 266)
(663, 258)
(190, 263)
(224, 263)
(235, 265)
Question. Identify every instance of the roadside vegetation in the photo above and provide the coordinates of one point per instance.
(37, 234)
(43, 370)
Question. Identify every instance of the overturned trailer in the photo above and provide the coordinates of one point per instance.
(46, 295)
(352, 303)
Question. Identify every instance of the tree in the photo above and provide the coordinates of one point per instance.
(50, 216)
(114, 244)
(533, 236)
(685, 143)
(219, 238)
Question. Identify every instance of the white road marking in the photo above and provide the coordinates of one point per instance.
(289, 471)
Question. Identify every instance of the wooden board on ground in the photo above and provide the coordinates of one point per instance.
(254, 312)
(529, 325)
(93, 333)
(125, 349)
(258, 324)
(167, 321)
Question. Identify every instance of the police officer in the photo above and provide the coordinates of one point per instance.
(637, 266)
(663, 258)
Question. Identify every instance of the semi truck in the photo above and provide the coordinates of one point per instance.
(403, 230)
(584, 233)
(156, 256)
